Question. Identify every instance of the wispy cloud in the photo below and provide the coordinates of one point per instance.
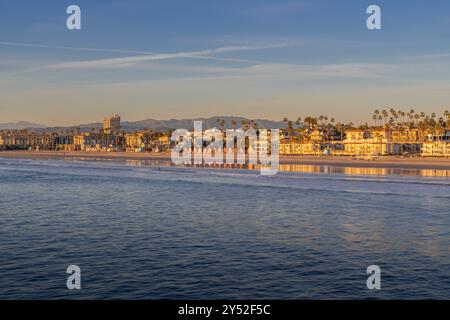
(114, 62)
(284, 70)
(323, 70)
(250, 68)
(429, 56)
(45, 46)
(204, 55)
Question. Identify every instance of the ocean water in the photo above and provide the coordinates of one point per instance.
(150, 231)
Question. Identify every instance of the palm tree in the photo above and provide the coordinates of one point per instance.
(290, 128)
(416, 118)
(376, 115)
(245, 124)
(385, 116)
(312, 122)
(375, 118)
(447, 115)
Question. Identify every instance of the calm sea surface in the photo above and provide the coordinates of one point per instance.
(144, 230)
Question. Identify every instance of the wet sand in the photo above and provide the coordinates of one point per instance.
(339, 161)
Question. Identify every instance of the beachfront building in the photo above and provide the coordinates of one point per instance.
(92, 141)
(2, 142)
(111, 125)
(316, 136)
(368, 143)
(436, 149)
(40, 141)
(13, 141)
(263, 144)
(86, 142)
(64, 142)
(313, 142)
(381, 142)
(136, 142)
(406, 141)
(24, 140)
(310, 141)
(289, 147)
(437, 145)
(160, 143)
(164, 139)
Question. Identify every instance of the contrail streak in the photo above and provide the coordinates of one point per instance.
(34, 45)
(145, 55)
(156, 57)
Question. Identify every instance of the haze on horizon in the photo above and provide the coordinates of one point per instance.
(164, 59)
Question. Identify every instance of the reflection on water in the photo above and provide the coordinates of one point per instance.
(304, 168)
(300, 168)
(363, 171)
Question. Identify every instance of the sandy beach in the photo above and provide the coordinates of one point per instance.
(338, 161)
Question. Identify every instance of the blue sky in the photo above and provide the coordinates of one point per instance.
(195, 58)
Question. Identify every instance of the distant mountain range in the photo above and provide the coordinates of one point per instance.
(20, 125)
(152, 124)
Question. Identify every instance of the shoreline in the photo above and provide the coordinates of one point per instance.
(337, 161)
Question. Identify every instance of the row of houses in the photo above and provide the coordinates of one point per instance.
(378, 142)
(23, 140)
(370, 142)
(109, 138)
(139, 141)
(130, 142)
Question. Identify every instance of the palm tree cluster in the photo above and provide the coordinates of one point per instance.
(382, 119)
(398, 119)
(299, 130)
